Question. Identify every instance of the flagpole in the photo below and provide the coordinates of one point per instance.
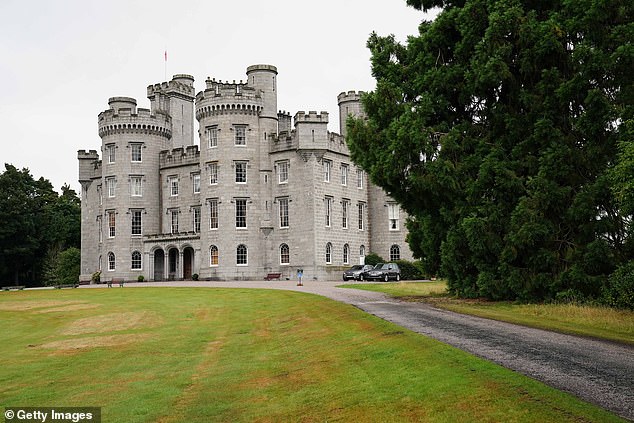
(165, 65)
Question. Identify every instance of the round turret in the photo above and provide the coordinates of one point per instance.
(349, 104)
(264, 78)
(117, 103)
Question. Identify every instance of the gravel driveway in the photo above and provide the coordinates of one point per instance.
(599, 372)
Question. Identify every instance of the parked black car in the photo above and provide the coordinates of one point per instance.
(356, 272)
(384, 271)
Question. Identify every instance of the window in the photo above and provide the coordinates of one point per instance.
(344, 214)
(346, 254)
(395, 253)
(393, 211)
(213, 173)
(196, 183)
(213, 255)
(285, 256)
(241, 213)
(174, 221)
(136, 186)
(283, 203)
(359, 178)
(111, 184)
(213, 213)
(241, 255)
(173, 185)
(111, 261)
(361, 213)
(100, 228)
(196, 219)
(282, 172)
(327, 167)
(136, 261)
(328, 253)
(362, 252)
(241, 172)
(241, 134)
(212, 136)
(328, 210)
(344, 174)
(111, 153)
(136, 152)
(111, 224)
(136, 222)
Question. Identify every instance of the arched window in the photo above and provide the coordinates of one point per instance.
(213, 255)
(395, 253)
(136, 261)
(241, 255)
(362, 251)
(285, 257)
(111, 261)
(328, 253)
(346, 254)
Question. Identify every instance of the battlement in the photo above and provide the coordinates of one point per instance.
(189, 155)
(128, 120)
(227, 98)
(349, 96)
(256, 68)
(181, 85)
(87, 155)
(311, 117)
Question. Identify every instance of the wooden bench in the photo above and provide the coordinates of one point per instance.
(115, 280)
(12, 288)
(271, 276)
(70, 285)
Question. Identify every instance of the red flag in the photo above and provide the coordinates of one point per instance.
(166, 55)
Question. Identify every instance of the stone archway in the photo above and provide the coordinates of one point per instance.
(159, 264)
(172, 264)
(188, 263)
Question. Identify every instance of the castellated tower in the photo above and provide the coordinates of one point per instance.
(129, 188)
(236, 121)
(176, 99)
(349, 104)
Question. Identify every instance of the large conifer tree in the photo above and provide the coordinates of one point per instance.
(496, 128)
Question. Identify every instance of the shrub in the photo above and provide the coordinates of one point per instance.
(96, 277)
(619, 289)
(409, 271)
(374, 259)
(68, 266)
(140, 278)
(195, 276)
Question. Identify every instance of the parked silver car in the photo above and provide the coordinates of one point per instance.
(356, 272)
(384, 271)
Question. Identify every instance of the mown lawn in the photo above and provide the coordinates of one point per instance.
(214, 355)
(576, 319)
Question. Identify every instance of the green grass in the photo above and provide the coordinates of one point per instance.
(214, 355)
(576, 319)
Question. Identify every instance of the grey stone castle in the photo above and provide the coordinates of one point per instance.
(262, 193)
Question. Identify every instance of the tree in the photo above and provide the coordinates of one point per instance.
(36, 224)
(496, 128)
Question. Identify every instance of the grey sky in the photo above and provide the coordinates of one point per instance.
(61, 61)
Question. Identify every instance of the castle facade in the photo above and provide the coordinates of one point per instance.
(261, 193)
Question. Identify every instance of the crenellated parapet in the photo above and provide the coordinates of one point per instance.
(189, 155)
(139, 121)
(180, 86)
(311, 117)
(349, 96)
(221, 98)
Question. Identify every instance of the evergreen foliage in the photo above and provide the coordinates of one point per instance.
(504, 128)
(374, 259)
(37, 224)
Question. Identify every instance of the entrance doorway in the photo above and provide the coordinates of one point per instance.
(159, 265)
(172, 264)
(188, 263)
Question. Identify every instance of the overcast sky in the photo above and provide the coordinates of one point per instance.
(61, 60)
